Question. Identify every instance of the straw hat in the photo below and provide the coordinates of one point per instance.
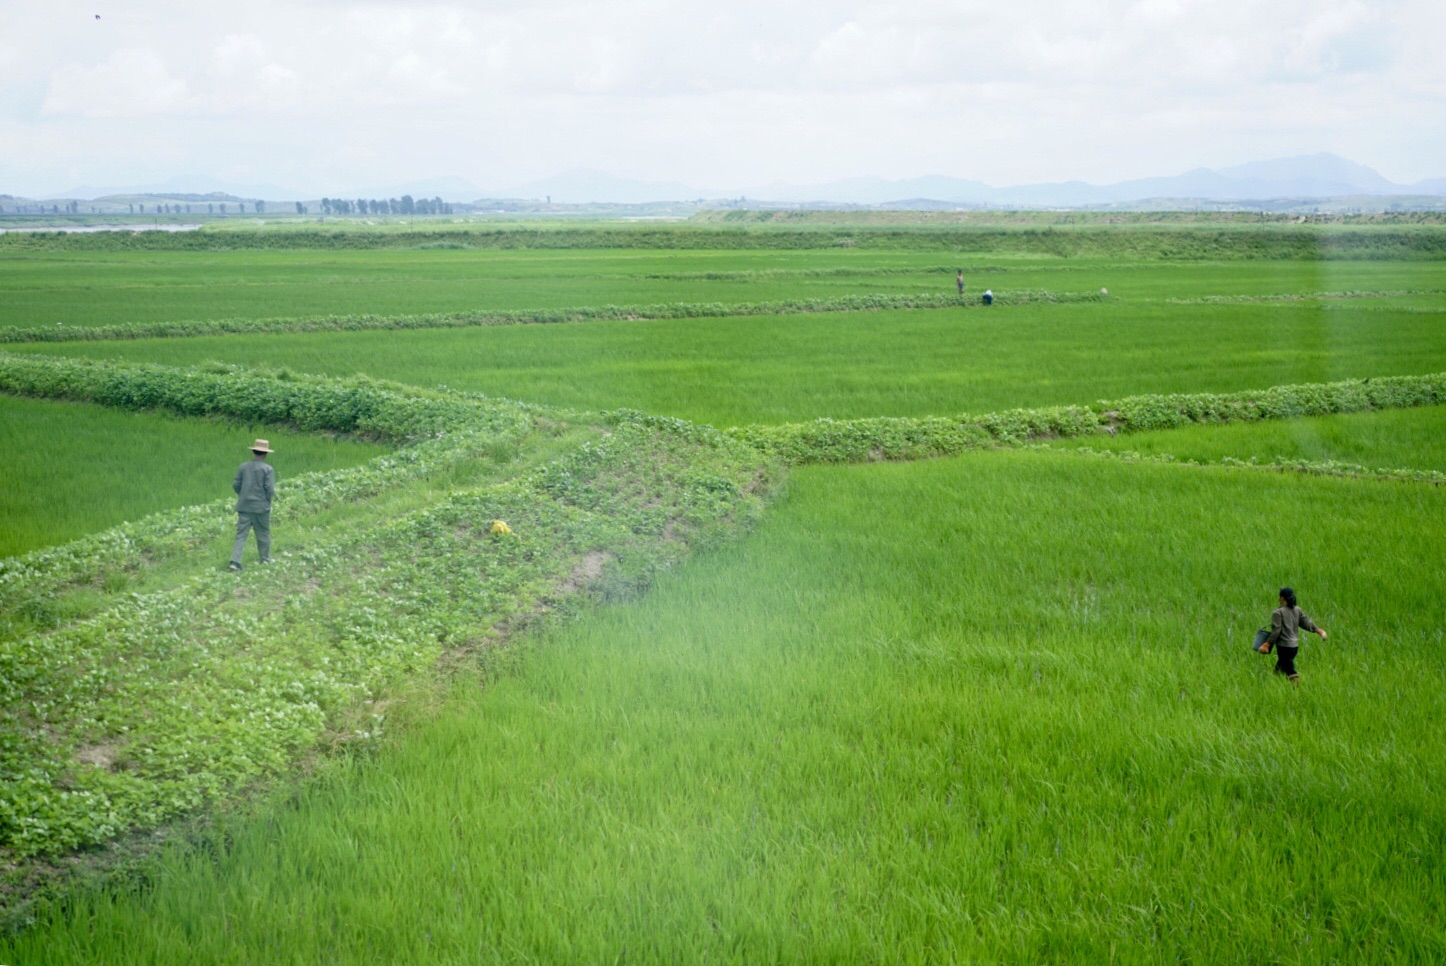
(261, 446)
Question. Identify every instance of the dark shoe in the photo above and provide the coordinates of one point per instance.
(234, 567)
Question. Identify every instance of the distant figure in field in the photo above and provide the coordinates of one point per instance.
(959, 280)
(255, 485)
(988, 297)
(1284, 634)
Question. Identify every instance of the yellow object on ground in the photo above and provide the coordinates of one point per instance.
(499, 526)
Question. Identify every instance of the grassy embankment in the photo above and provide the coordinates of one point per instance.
(998, 707)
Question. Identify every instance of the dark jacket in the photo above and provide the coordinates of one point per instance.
(255, 485)
(1285, 626)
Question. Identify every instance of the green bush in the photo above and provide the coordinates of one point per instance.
(356, 406)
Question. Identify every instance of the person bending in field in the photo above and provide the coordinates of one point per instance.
(255, 485)
(1285, 625)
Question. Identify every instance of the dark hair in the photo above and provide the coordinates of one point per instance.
(1287, 595)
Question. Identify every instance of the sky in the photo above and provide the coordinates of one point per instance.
(331, 96)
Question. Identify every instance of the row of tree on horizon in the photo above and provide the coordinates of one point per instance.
(405, 205)
(136, 208)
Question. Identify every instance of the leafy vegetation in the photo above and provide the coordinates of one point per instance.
(1279, 464)
(860, 440)
(359, 406)
(92, 745)
(266, 662)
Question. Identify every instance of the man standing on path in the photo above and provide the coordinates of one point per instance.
(255, 484)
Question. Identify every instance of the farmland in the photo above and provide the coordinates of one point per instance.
(849, 365)
(73, 469)
(991, 706)
(986, 733)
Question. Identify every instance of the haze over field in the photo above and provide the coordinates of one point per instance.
(718, 99)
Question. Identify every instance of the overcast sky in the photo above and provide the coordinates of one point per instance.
(322, 95)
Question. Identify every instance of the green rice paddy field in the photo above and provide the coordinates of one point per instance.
(770, 369)
(107, 288)
(996, 707)
(74, 469)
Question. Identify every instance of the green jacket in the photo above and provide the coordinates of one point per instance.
(255, 485)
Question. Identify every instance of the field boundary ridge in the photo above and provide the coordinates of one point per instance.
(1306, 297)
(907, 438)
(1280, 464)
(1156, 242)
(504, 317)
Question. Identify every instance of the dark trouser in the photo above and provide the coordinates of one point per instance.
(245, 523)
(1285, 660)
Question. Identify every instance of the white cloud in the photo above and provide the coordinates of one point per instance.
(737, 92)
(130, 83)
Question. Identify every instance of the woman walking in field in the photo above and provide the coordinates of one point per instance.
(1285, 626)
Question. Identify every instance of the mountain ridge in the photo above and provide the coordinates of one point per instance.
(1303, 177)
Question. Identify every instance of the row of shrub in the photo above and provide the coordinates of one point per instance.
(902, 438)
(1280, 464)
(597, 313)
(1303, 297)
(1189, 242)
(357, 405)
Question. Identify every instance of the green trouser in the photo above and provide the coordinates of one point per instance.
(245, 523)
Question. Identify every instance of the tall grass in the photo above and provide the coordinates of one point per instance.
(980, 709)
(72, 469)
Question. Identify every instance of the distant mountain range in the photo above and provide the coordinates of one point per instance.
(1306, 176)
(1303, 177)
